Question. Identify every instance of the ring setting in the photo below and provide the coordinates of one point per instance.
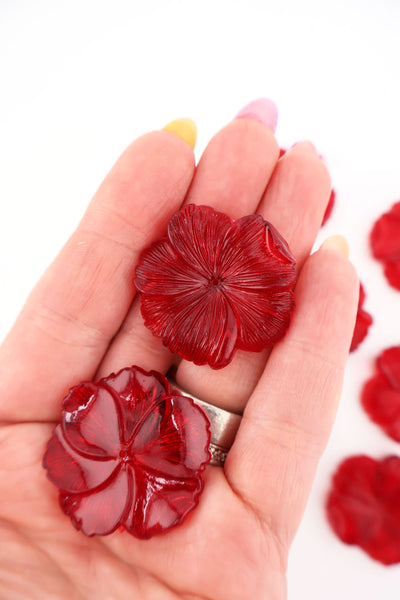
(223, 426)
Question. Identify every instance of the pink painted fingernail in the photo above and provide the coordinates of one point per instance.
(262, 110)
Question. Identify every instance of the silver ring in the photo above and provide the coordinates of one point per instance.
(223, 426)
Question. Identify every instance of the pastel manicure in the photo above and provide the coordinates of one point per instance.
(263, 110)
(338, 243)
(185, 129)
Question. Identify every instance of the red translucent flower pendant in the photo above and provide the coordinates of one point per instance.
(381, 394)
(213, 285)
(385, 244)
(129, 452)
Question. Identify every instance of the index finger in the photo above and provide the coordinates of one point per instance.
(80, 302)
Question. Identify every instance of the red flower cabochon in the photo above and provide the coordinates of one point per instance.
(385, 244)
(363, 506)
(381, 394)
(129, 452)
(213, 285)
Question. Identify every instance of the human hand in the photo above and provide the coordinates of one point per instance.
(82, 321)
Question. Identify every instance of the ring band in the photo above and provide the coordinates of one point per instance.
(223, 426)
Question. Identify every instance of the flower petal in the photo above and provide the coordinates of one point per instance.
(259, 277)
(162, 271)
(201, 327)
(160, 504)
(380, 400)
(388, 479)
(385, 235)
(175, 445)
(102, 511)
(90, 421)
(392, 272)
(254, 249)
(263, 321)
(70, 471)
(361, 326)
(184, 260)
(389, 364)
(381, 393)
(138, 393)
(196, 233)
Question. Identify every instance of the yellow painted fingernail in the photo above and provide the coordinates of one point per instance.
(337, 243)
(185, 129)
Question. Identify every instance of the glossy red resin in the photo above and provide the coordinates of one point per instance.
(213, 285)
(329, 207)
(129, 452)
(363, 506)
(381, 394)
(385, 244)
(282, 152)
(362, 324)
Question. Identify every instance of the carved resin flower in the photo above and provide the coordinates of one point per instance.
(363, 506)
(129, 452)
(213, 285)
(385, 244)
(381, 394)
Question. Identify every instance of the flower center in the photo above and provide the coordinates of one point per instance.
(123, 455)
(215, 281)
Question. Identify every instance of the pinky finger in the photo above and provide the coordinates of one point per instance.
(290, 414)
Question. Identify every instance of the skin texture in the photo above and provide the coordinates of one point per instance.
(82, 321)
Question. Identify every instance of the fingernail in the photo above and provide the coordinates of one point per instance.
(305, 146)
(338, 243)
(263, 110)
(185, 129)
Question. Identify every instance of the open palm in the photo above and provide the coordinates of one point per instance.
(83, 321)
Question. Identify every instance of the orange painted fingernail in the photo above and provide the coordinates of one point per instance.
(185, 129)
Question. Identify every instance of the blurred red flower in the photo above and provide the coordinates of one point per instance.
(363, 506)
(385, 244)
(381, 394)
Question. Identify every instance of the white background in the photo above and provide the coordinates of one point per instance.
(80, 79)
